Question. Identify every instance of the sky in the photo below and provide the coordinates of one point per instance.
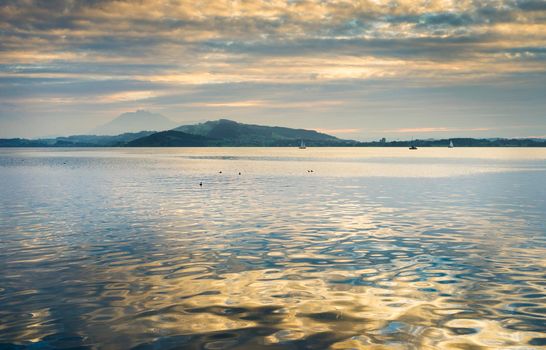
(362, 70)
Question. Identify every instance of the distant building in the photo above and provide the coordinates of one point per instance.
(383, 140)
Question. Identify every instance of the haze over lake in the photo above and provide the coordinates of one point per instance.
(122, 248)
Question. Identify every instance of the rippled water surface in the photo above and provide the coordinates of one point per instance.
(373, 249)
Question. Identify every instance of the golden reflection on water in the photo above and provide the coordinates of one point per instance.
(119, 249)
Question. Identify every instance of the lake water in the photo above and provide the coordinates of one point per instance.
(376, 248)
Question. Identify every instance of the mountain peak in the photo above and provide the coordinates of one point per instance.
(229, 121)
(235, 133)
(135, 121)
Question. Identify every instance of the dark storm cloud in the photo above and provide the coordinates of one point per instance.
(158, 31)
(84, 68)
(531, 5)
(13, 87)
(450, 19)
(92, 26)
(434, 19)
(451, 48)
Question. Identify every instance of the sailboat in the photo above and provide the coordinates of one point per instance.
(450, 144)
(302, 145)
(412, 145)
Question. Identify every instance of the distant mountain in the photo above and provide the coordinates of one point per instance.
(170, 138)
(217, 133)
(77, 141)
(18, 142)
(134, 122)
(230, 133)
(225, 132)
(104, 140)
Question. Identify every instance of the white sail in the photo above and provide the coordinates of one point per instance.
(450, 144)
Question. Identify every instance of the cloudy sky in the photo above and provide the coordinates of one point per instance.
(356, 69)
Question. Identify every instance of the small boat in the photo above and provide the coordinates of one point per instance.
(450, 144)
(302, 145)
(412, 145)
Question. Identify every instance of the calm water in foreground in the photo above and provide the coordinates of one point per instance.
(374, 249)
